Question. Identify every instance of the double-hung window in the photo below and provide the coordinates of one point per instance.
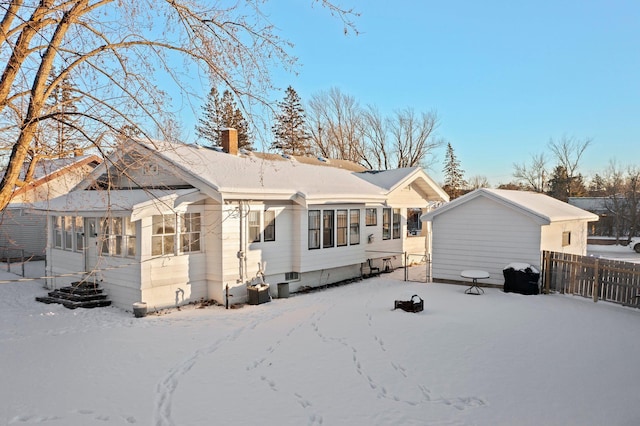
(190, 232)
(354, 227)
(68, 233)
(341, 228)
(163, 234)
(314, 229)
(254, 226)
(262, 226)
(371, 216)
(386, 224)
(79, 233)
(269, 225)
(63, 232)
(119, 237)
(130, 237)
(396, 223)
(328, 224)
(57, 231)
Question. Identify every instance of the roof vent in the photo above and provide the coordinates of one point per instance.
(287, 157)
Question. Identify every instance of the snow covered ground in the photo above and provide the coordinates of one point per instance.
(340, 356)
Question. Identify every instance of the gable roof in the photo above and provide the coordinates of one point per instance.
(540, 207)
(47, 170)
(391, 180)
(222, 176)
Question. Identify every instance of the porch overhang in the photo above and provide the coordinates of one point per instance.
(135, 203)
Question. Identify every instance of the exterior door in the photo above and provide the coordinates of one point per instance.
(91, 243)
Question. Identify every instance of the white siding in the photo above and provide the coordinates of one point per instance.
(147, 172)
(213, 248)
(120, 277)
(169, 280)
(233, 273)
(415, 246)
(315, 279)
(552, 237)
(62, 262)
(173, 280)
(20, 230)
(276, 257)
(485, 235)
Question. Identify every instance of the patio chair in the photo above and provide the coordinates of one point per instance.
(373, 270)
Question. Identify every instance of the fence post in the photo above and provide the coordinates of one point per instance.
(596, 280)
(547, 271)
(406, 266)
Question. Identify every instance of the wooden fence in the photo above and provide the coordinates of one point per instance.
(600, 279)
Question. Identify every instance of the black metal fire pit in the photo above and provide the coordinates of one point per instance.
(415, 304)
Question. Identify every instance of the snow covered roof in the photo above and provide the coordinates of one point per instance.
(47, 167)
(594, 204)
(341, 164)
(395, 178)
(117, 202)
(249, 176)
(546, 209)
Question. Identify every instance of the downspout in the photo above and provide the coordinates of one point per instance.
(245, 243)
(429, 248)
(240, 244)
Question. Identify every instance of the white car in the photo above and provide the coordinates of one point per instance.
(634, 244)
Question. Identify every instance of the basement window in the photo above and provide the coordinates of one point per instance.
(291, 276)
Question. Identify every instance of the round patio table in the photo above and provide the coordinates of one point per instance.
(474, 275)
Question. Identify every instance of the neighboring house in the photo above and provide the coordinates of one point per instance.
(488, 229)
(22, 232)
(605, 208)
(169, 223)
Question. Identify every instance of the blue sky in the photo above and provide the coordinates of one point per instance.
(503, 76)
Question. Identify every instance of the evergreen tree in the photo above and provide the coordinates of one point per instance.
(61, 134)
(221, 112)
(291, 136)
(453, 175)
(562, 186)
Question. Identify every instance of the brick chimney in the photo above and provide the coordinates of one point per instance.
(230, 141)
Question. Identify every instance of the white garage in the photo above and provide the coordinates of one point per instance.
(488, 229)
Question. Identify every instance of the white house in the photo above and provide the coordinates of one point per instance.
(488, 229)
(170, 223)
(22, 232)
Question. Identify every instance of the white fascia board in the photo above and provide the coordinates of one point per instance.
(378, 201)
(160, 205)
(258, 196)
